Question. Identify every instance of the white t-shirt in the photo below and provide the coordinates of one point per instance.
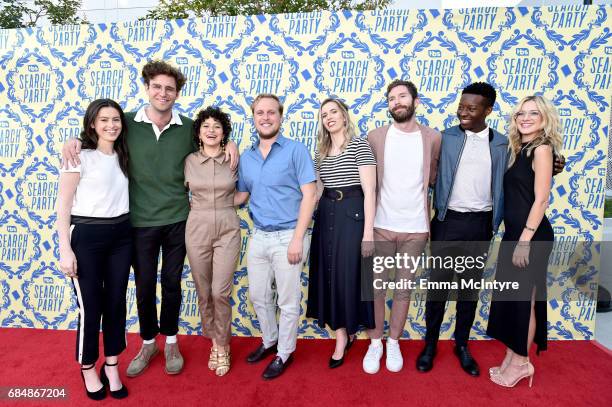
(103, 189)
(472, 187)
(401, 207)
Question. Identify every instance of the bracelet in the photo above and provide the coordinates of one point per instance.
(529, 229)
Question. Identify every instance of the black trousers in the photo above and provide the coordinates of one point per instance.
(147, 242)
(459, 234)
(103, 253)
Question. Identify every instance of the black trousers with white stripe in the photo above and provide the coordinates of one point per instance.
(103, 253)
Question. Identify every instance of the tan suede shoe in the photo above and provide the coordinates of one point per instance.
(138, 365)
(174, 360)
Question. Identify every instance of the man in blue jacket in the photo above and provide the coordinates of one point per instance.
(468, 199)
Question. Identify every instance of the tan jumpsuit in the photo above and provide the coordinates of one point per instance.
(212, 237)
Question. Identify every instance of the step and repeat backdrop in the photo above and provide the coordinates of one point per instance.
(50, 74)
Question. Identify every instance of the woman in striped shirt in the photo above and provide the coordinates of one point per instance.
(343, 229)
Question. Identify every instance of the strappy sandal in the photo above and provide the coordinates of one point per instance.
(223, 363)
(498, 369)
(212, 359)
(502, 381)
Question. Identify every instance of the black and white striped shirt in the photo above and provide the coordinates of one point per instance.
(342, 170)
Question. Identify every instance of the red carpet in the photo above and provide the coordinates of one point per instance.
(576, 373)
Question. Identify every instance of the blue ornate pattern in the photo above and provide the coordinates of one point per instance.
(444, 45)
(530, 42)
(357, 46)
(33, 60)
(117, 33)
(491, 35)
(576, 37)
(564, 53)
(75, 52)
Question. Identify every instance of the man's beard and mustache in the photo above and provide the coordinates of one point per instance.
(402, 113)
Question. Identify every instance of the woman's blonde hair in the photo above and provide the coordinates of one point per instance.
(550, 134)
(323, 136)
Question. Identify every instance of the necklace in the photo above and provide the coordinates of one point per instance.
(526, 145)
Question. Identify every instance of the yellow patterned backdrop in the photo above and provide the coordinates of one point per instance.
(50, 74)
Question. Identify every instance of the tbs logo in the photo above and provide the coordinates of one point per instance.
(41, 177)
(608, 50)
(11, 229)
(105, 64)
(73, 122)
(4, 124)
(33, 68)
(564, 111)
(263, 57)
(522, 52)
(48, 280)
(307, 115)
(434, 53)
(348, 55)
(181, 61)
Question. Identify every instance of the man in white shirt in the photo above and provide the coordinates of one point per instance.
(407, 159)
(468, 203)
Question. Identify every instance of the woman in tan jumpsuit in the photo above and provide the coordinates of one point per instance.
(212, 234)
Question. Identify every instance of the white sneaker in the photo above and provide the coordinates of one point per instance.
(394, 360)
(371, 360)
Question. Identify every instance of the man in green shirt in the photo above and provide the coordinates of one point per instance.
(158, 139)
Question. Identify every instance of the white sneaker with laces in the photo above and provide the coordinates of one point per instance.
(394, 361)
(371, 360)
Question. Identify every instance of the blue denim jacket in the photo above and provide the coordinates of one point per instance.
(453, 141)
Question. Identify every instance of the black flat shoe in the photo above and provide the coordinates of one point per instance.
(260, 353)
(468, 364)
(276, 367)
(425, 360)
(97, 395)
(334, 363)
(116, 394)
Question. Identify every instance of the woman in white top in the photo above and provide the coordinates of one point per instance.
(95, 243)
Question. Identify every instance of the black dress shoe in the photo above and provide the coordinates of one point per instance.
(334, 363)
(425, 360)
(468, 364)
(260, 353)
(276, 367)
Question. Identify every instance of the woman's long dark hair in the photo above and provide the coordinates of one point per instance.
(89, 137)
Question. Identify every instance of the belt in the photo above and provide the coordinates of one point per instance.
(273, 228)
(339, 194)
(75, 219)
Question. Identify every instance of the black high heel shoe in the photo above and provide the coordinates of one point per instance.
(116, 394)
(99, 394)
(334, 363)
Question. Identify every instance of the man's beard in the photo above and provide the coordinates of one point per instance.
(404, 115)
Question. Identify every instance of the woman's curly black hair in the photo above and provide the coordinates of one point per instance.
(217, 114)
